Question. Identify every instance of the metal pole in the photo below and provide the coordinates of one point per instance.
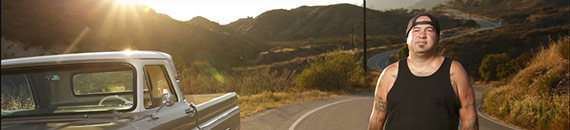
(364, 37)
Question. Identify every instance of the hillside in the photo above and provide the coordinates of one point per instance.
(537, 98)
(205, 23)
(513, 38)
(509, 11)
(321, 22)
(427, 4)
(106, 26)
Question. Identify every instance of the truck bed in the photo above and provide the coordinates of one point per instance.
(216, 111)
(201, 98)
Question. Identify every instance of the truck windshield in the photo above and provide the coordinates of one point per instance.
(67, 89)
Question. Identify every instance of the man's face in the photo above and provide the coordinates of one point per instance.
(422, 37)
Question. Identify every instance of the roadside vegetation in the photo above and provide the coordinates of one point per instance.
(537, 96)
(252, 104)
(338, 73)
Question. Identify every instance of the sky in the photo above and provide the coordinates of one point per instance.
(226, 11)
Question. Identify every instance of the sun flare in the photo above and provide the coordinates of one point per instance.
(126, 2)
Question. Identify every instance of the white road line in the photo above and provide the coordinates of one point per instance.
(492, 120)
(314, 110)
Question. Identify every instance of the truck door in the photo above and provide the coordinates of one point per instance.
(157, 84)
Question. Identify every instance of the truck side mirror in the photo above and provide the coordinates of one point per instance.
(168, 99)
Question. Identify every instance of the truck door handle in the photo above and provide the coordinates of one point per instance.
(189, 111)
(192, 110)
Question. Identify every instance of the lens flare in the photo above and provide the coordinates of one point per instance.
(217, 75)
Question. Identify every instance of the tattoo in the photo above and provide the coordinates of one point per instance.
(468, 106)
(472, 123)
(381, 105)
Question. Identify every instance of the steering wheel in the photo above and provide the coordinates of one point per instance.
(115, 97)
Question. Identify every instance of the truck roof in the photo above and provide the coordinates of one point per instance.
(90, 56)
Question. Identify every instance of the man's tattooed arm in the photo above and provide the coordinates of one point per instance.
(378, 114)
(472, 123)
(466, 96)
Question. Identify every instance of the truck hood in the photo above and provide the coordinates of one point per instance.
(78, 123)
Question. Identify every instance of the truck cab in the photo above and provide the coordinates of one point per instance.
(108, 90)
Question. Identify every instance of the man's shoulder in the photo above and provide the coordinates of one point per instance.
(392, 68)
(456, 65)
(457, 68)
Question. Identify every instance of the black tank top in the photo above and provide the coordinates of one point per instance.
(422, 103)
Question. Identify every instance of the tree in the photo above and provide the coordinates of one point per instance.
(513, 66)
(489, 65)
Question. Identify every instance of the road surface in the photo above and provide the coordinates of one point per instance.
(338, 113)
(381, 61)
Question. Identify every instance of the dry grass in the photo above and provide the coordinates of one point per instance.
(267, 100)
(268, 86)
(203, 78)
(258, 89)
(537, 97)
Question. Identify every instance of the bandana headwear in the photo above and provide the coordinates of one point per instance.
(433, 23)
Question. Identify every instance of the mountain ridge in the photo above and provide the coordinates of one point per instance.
(312, 22)
(109, 27)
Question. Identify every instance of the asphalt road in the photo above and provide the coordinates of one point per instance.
(482, 22)
(339, 113)
(381, 60)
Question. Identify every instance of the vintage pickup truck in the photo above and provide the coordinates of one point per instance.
(107, 90)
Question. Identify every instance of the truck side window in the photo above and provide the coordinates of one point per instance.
(159, 83)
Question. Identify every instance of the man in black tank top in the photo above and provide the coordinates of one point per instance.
(424, 90)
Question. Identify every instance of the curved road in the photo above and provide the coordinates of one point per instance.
(380, 61)
(338, 113)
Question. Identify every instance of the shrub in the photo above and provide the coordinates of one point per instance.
(467, 23)
(488, 68)
(401, 54)
(507, 69)
(339, 71)
(537, 96)
(563, 49)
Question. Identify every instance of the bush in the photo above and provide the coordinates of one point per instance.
(467, 23)
(537, 96)
(401, 54)
(338, 71)
(489, 65)
(563, 49)
(507, 69)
